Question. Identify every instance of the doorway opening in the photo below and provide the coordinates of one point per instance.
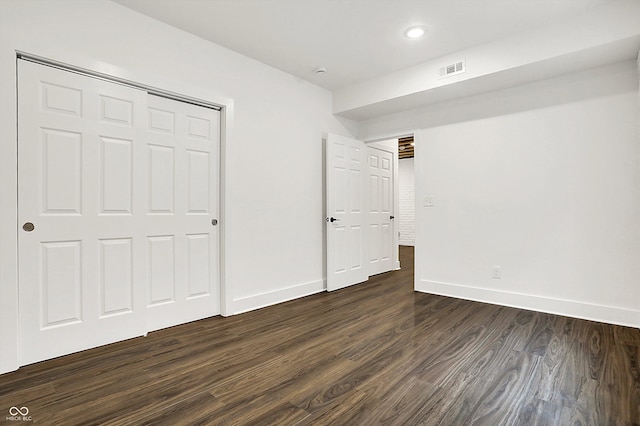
(407, 192)
(362, 207)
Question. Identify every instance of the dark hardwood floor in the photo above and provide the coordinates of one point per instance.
(377, 353)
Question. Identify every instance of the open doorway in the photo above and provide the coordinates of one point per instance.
(407, 190)
(362, 205)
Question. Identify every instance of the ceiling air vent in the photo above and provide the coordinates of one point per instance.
(451, 69)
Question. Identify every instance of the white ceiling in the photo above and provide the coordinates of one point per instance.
(356, 40)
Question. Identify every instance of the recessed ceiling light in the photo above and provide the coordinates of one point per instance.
(415, 32)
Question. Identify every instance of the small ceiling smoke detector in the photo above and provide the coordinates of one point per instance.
(320, 70)
(415, 32)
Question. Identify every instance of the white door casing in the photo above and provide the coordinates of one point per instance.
(346, 219)
(380, 209)
(122, 240)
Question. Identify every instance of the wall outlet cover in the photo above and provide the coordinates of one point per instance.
(496, 272)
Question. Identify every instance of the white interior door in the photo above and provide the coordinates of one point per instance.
(182, 146)
(117, 202)
(380, 211)
(81, 251)
(346, 220)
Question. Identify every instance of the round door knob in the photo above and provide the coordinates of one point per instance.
(214, 222)
(28, 227)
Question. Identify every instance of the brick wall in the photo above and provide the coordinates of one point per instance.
(407, 216)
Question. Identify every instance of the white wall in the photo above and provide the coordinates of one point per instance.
(274, 177)
(542, 180)
(407, 202)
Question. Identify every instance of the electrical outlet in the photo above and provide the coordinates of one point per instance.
(496, 272)
(428, 201)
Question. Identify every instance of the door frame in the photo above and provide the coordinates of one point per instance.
(9, 279)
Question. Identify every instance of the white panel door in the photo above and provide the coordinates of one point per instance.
(346, 220)
(182, 145)
(80, 244)
(118, 206)
(380, 210)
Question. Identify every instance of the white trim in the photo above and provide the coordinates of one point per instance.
(226, 132)
(9, 218)
(419, 211)
(569, 308)
(262, 300)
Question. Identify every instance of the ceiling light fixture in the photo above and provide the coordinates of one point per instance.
(415, 32)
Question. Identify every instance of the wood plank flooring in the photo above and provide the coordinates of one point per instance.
(377, 353)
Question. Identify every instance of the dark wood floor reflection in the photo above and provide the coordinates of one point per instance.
(377, 353)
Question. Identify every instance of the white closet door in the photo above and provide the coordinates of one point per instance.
(380, 210)
(81, 249)
(117, 200)
(182, 237)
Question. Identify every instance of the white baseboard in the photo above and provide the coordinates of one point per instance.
(569, 308)
(262, 300)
